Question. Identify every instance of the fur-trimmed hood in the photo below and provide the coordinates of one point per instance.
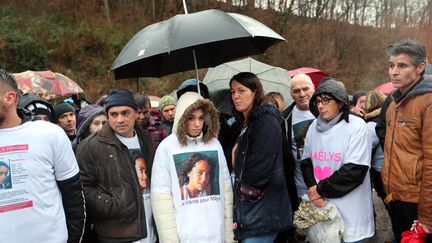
(188, 103)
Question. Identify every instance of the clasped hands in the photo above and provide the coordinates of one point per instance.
(315, 198)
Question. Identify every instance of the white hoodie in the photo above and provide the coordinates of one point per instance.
(180, 216)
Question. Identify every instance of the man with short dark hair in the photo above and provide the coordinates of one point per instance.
(66, 119)
(149, 123)
(45, 202)
(407, 170)
(117, 204)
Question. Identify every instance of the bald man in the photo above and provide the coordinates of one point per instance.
(297, 119)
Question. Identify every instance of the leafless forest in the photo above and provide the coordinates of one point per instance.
(346, 39)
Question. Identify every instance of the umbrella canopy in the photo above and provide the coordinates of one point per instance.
(315, 74)
(47, 84)
(385, 88)
(187, 41)
(154, 101)
(272, 78)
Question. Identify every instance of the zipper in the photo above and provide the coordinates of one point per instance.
(391, 147)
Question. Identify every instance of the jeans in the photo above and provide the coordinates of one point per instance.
(260, 239)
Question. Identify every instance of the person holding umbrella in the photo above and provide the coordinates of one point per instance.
(261, 203)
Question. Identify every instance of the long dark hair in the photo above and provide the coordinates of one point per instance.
(190, 163)
(252, 82)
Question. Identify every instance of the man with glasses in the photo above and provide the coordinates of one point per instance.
(407, 170)
(297, 119)
(116, 203)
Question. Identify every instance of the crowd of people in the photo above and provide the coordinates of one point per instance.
(120, 170)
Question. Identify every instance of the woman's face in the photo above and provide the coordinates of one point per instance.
(97, 123)
(199, 176)
(195, 123)
(242, 97)
(328, 107)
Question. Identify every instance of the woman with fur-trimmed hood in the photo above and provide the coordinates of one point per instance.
(191, 189)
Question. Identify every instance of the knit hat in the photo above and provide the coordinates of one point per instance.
(61, 108)
(166, 100)
(120, 97)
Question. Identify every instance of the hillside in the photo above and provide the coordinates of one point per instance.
(79, 39)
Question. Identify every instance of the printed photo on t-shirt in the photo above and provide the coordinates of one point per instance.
(5, 175)
(300, 129)
(197, 174)
(142, 170)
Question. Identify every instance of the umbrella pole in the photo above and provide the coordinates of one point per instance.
(137, 85)
(196, 71)
(185, 7)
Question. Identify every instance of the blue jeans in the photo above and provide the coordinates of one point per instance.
(260, 239)
(359, 241)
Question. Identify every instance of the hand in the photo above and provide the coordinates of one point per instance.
(319, 202)
(312, 193)
(425, 228)
(358, 110)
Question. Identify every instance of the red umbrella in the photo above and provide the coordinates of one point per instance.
(315, 74)
(385, 88)
(47, 84)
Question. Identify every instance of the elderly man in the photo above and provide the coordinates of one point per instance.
(44, 202)
(407, 170)
(297, 119)
(117, 204)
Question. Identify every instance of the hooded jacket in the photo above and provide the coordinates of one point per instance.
(84, 119)
(407, 170)
(262, 205)
(179, 218)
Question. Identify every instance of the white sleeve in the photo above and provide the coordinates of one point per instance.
(359, 147)
(371, 128)
(161, 176)
(64, 161)
(228, 196)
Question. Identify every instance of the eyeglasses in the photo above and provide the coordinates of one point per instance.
(323, 100)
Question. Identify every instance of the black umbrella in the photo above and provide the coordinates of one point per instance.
(191, 41)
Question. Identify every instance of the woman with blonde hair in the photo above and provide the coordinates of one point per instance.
(372, 109)
(276, 99)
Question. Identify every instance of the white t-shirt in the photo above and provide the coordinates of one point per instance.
(378, 156)
(301, 121)
(38, 154)
(135, 150)
(329, 150)
(198, 218)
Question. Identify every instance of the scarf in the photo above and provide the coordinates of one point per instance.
(323, 126)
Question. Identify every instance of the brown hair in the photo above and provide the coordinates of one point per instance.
(252, 82)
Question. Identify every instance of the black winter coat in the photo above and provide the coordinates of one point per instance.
(111, 187)
(261, 202)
